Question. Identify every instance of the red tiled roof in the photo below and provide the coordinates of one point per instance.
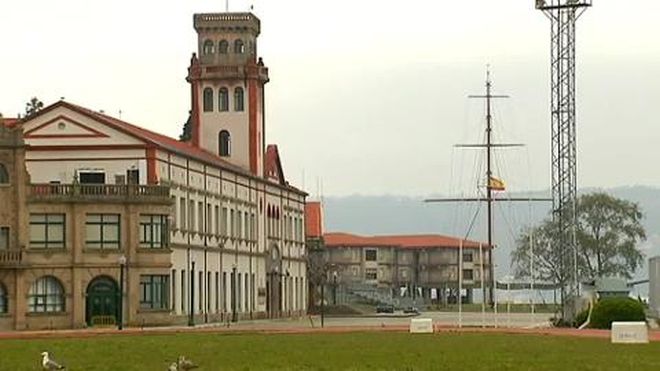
(273, 165)
(158, 140)
(401, 241)
(313, 220)
(9, 122)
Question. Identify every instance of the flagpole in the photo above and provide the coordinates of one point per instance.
(483, 302)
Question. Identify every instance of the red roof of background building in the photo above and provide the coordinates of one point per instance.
(401, 241)
(9, 122)
(158, 140)
(313, 220)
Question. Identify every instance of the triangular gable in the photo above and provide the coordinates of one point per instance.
(273, 169)
(62, 126)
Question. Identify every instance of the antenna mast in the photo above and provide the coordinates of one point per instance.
(563, 15)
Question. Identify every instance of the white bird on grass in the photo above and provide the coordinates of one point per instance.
(49, 364)
(173, 367)
(185, 364)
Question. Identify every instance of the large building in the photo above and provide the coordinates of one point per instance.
(425, 268)
(430, 268)
(235, 244)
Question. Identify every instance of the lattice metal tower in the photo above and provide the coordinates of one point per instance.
(563, 15)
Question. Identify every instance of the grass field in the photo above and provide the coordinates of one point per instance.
(356, 351)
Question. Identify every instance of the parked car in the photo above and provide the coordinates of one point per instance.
(411, 310)
(385, 308)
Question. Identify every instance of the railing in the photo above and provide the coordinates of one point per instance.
(10, 257)
(99, 191)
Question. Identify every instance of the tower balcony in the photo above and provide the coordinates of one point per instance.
(237, 72)
(100, 193)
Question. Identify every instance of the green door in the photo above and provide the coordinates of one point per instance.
(102, 302)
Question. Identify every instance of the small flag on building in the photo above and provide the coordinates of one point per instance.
(496, 184)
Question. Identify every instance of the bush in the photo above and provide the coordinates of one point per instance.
(609, 310)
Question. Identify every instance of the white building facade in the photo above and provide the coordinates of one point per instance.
(236, 225)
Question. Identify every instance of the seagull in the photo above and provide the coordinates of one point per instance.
(173, 367)
(185, 364)
(49, 364)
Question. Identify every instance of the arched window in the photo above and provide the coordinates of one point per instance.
(238, 100)
(239, 46)
(223, 99)
(209, 47)
(224, 143)
(4, 302)
(4, 175)
(208, 100)
(223, 47)
(46, 296)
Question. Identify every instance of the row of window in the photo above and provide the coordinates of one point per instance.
(208, 47)
(47, 295)
(223, 100)
(102, 231)
(371, 274)
(211, 219)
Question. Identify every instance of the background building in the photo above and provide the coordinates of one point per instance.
(235, 242)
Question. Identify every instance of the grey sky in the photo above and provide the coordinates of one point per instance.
(369, 95)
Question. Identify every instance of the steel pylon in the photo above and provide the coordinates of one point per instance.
(563, 15)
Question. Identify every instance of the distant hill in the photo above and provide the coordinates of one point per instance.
(400, 214)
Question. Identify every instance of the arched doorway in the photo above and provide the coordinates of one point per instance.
(102, 301)
(274, 282)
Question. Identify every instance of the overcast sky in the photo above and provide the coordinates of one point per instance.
(367, 95)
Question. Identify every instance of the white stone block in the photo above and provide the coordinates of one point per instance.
(421, 326)
(630, 333)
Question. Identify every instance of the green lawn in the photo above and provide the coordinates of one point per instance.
(358, 351)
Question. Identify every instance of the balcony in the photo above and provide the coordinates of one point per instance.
(100, 193)
(10, 258)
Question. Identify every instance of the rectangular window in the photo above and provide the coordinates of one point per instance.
(217, 292)
(154, 292)
(181, 221)
(216, 230)
(102, 231)
(209, 219)
(223, 224)
(239, 224)
(153, 231)
(200, 219)
(47, 231)
(208, 292)
(371, 255)
(371, 274)
(173, 289)
(253, 230)
(247, 292)
(191, 216)
(4, 238)
(200, 284)
(183, 291)
(468, 274)
(232, 224)
(253, 290)
(224, 291)
(91, 177)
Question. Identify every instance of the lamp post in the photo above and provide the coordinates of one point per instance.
(334, 287)
(191, 312)
(120, 312)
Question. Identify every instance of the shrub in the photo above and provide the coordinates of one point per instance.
(609, 310)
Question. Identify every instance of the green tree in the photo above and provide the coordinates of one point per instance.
(608, 232)
(33, 106)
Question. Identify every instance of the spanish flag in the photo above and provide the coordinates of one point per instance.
(496, 184)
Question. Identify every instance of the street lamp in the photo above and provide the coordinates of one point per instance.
(334, 287)
(122, 264)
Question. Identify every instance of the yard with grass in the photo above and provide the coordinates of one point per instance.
(347, 351)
